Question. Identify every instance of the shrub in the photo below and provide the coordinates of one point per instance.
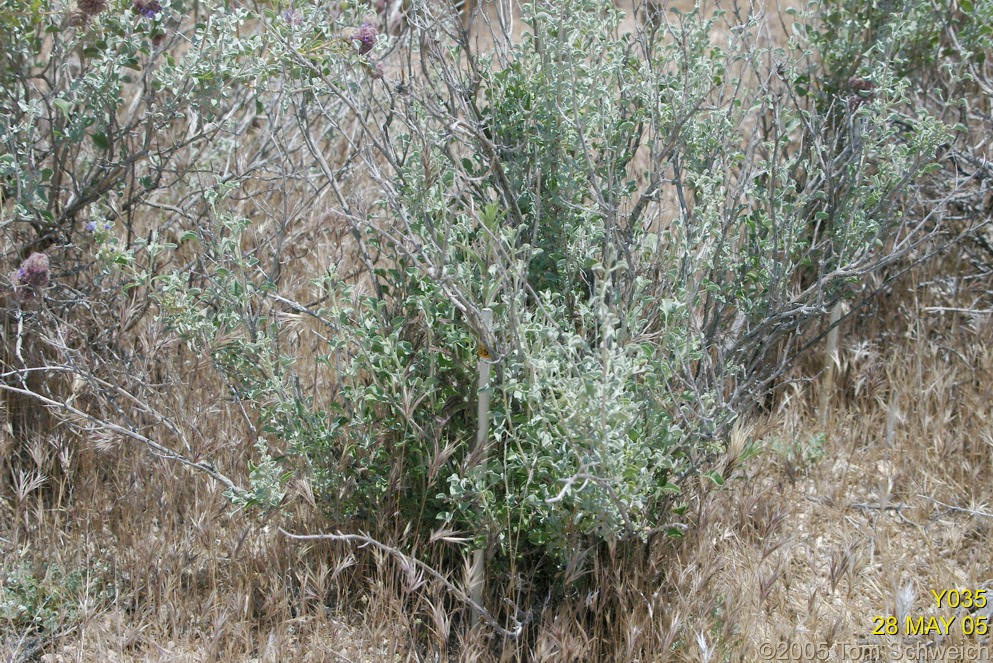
(651, 219)
(639, 302)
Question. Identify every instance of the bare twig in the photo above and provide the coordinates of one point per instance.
(155, 447)
(961, 509)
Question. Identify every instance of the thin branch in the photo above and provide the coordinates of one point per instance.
(961, 509)
(155, 447)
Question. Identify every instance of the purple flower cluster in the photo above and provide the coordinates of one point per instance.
(92, 226)
(33, 273)
(147, 8)
(293, 17)
(366, 36)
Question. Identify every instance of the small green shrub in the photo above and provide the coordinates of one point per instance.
(45, 602)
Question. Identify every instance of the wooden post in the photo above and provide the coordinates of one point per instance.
(477, 572)
(830, 361)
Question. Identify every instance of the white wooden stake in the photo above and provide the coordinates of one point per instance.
(477, 572)
(830, 359)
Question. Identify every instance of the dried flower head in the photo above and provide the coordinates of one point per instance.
(147, 8)
(863, 91)
(91, 7)
(78, 19)
(375, 71)
(366, 36)
(859, 84)
(33, 273)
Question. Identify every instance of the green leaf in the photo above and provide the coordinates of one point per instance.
(63, 106)
(716, 477)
